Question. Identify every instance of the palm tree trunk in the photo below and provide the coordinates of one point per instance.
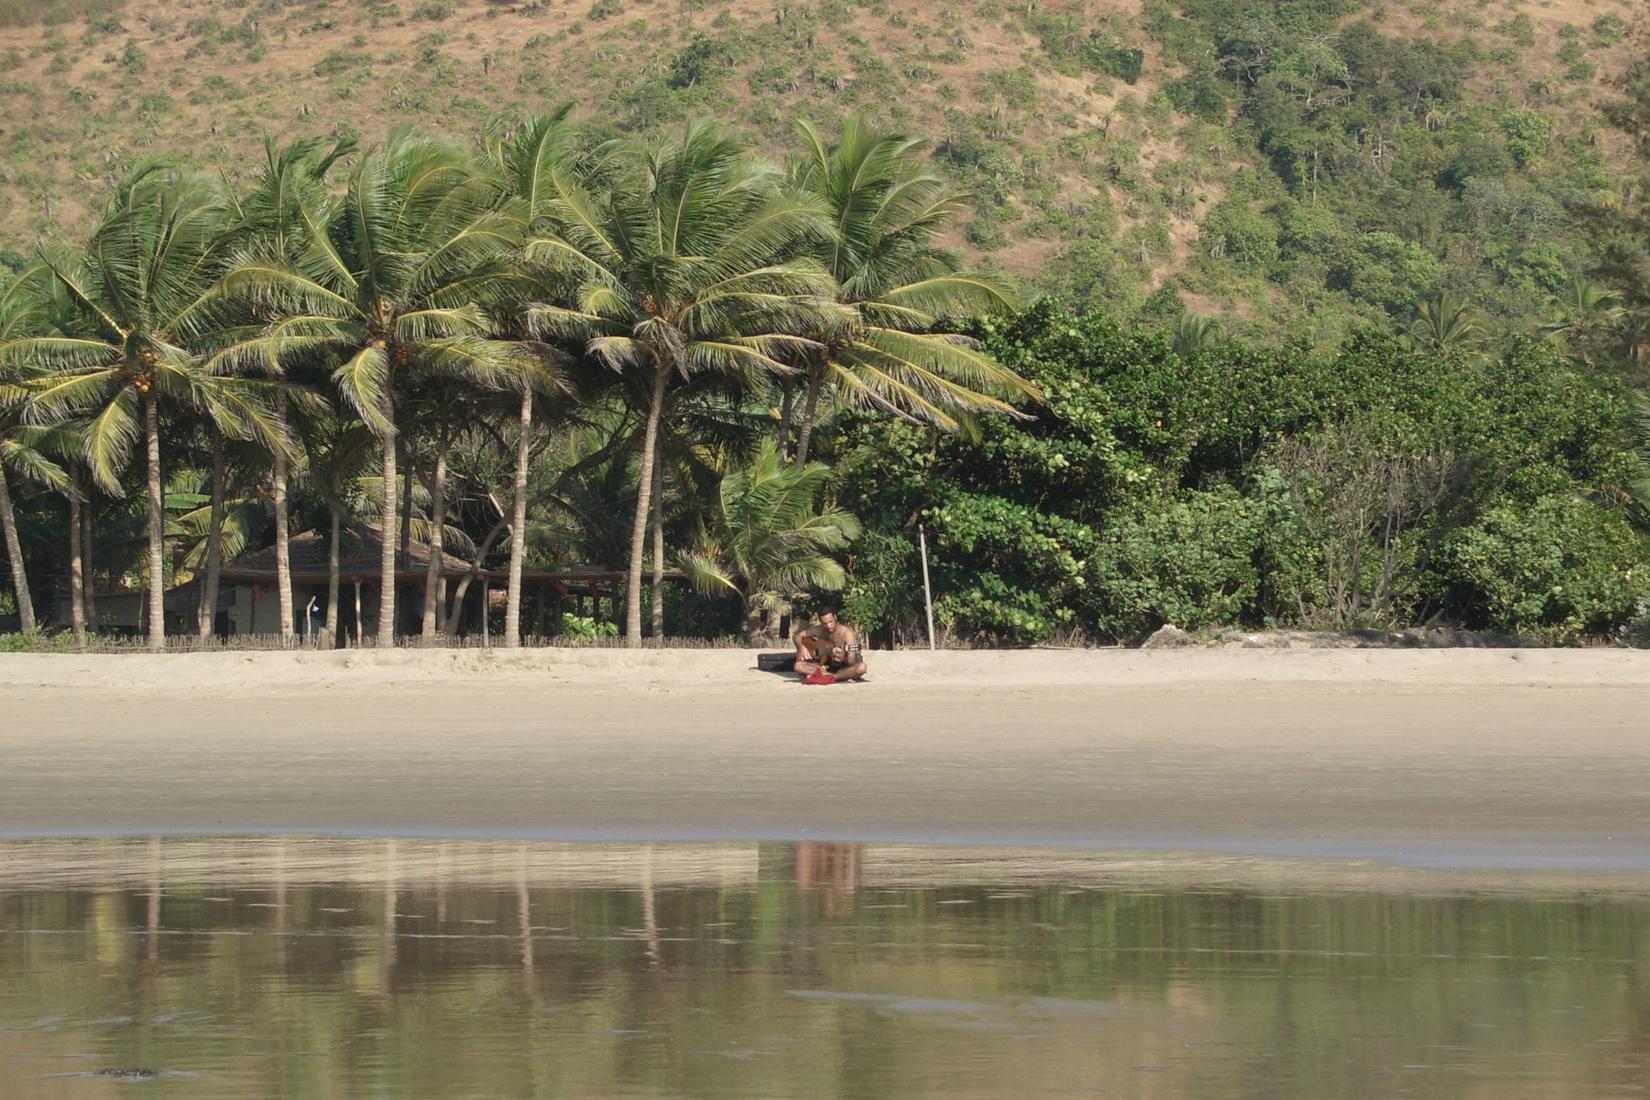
(438, 516)
(157, 529)
(77, 587)
(518, 523)
(208, 618)
(588, 462)
(283, 533)
(332, 578)
(644, 495)
(805, 430)
(787, 407)
(386, 537)
(752, 618)
(88, 567)
(658, 592)
(406, 507)
(14, 551)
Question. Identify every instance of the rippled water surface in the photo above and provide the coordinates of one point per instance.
(328, 968)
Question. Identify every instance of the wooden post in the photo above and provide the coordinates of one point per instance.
(927, 593)
(486, 625)
(358, 612)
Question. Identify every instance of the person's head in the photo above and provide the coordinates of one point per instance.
(827, 618)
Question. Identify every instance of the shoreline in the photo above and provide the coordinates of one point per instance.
(1509, 759)
(242, 862)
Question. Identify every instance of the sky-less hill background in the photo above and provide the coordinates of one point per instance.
(1292, 167)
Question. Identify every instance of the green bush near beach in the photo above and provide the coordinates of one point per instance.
(1376, 485)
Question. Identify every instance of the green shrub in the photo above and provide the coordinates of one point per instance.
(1104, 55)
(1385, 270)
(1636, 631)
(37, 641)
(1527, 137)
(700, 60)
(1520, 28)
(339, 62)
(585, 628)
(1560, 569)
(1241, 233)
(1191, 561)
(1608, 30)
(133, 59)
(434, 11)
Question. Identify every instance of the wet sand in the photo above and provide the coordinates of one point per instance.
(1461, 758)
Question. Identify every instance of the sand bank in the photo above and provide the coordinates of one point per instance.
(1473, 758)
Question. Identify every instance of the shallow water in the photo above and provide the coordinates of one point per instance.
(311, 967)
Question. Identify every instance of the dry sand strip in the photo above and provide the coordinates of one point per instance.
(1471, 758)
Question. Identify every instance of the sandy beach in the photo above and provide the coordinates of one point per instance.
(1430, 758)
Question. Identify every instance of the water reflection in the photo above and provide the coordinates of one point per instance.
(303, 967)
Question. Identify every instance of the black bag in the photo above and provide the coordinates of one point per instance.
(775, 662)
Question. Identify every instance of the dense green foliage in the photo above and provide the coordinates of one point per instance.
(1376, 485)
(1417, 405)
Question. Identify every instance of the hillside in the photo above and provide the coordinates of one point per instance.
(1311, 161)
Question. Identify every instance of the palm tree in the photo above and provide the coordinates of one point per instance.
(884, 213)
(1639, 489)
(540, 161)
(23, 452)
(134, 306)
(338, 448)
(393, 276)
(540, 376)
(270, 223)
(20, 444)
(682, 261)
(1194, 335)
(1585, 314)
(767, 540)
(1445, 323)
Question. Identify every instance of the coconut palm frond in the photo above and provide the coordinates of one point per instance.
(107, 438)
(363, 380)
(21, 454)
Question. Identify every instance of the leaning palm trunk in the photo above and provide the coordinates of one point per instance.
(77, 586)
(805, 430)
(432, 572)
(157, 530)
(283, 541)
(332, 579)
(658, 592)
(207, 620)
(644, 496)
(14, 550)
(386, 535)
(518, 524)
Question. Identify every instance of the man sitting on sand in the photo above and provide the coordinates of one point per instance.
(831, 646)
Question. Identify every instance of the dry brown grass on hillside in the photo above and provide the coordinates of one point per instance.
(78, 111)
(199, 79)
